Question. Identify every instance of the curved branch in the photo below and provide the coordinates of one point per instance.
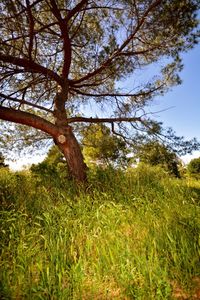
(31, 66)
(25, 118)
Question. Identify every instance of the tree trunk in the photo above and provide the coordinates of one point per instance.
(70, 147)
(65, 140)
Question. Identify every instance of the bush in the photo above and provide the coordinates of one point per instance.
(53, 167)
(194, 167)
(157, 154)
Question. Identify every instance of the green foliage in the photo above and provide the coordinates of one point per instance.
(52, 166)
(129, 235)
(194, 167)
(102, 147)
(155, 153)
(54, 156)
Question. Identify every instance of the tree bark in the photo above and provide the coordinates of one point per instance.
(70, 147)
(29, 119)
(66, 140)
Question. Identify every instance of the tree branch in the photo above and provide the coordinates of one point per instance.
(20, 117)
(141, 52)
(24, 9)
(76, 9)
(31, 29)
(22, 101)
(77, 28)
(66, 40)
(31, 66)
(121, 48)
(144, 93)
(119, 134)
(103, 120)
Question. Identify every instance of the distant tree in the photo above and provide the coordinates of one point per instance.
(56, 57)
(101, 146)
(155, 153)
(53, 165)
(194, 167)
(54, 156)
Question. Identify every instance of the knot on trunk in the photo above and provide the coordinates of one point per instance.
(61, 139)
(64, 134)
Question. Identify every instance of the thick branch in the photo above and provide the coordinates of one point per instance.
(76, 9)
(31, 29)
(66, 40)
(20, 117)
(30, 66)
(55, 10)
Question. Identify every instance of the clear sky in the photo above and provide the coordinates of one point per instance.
(184, 100)
(184, 116)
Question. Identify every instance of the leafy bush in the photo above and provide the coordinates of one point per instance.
(194, 167)
(155, 153)
(53, 167)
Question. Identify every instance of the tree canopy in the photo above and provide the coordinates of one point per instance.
(60, 58)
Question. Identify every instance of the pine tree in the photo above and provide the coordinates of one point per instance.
(56, 57)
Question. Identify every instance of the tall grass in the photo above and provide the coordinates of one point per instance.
(128, 235)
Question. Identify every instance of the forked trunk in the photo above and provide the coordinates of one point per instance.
(69, 146)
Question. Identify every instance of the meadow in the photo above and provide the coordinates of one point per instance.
(131, 234)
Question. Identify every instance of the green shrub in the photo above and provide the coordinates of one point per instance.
(194, 167)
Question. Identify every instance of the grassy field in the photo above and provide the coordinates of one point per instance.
(128, 235)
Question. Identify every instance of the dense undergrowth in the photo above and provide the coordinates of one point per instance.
(127, 235)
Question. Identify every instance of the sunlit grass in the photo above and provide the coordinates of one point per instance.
(132, 235)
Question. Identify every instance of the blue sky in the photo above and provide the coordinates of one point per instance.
(184, 116)
(184, 100)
